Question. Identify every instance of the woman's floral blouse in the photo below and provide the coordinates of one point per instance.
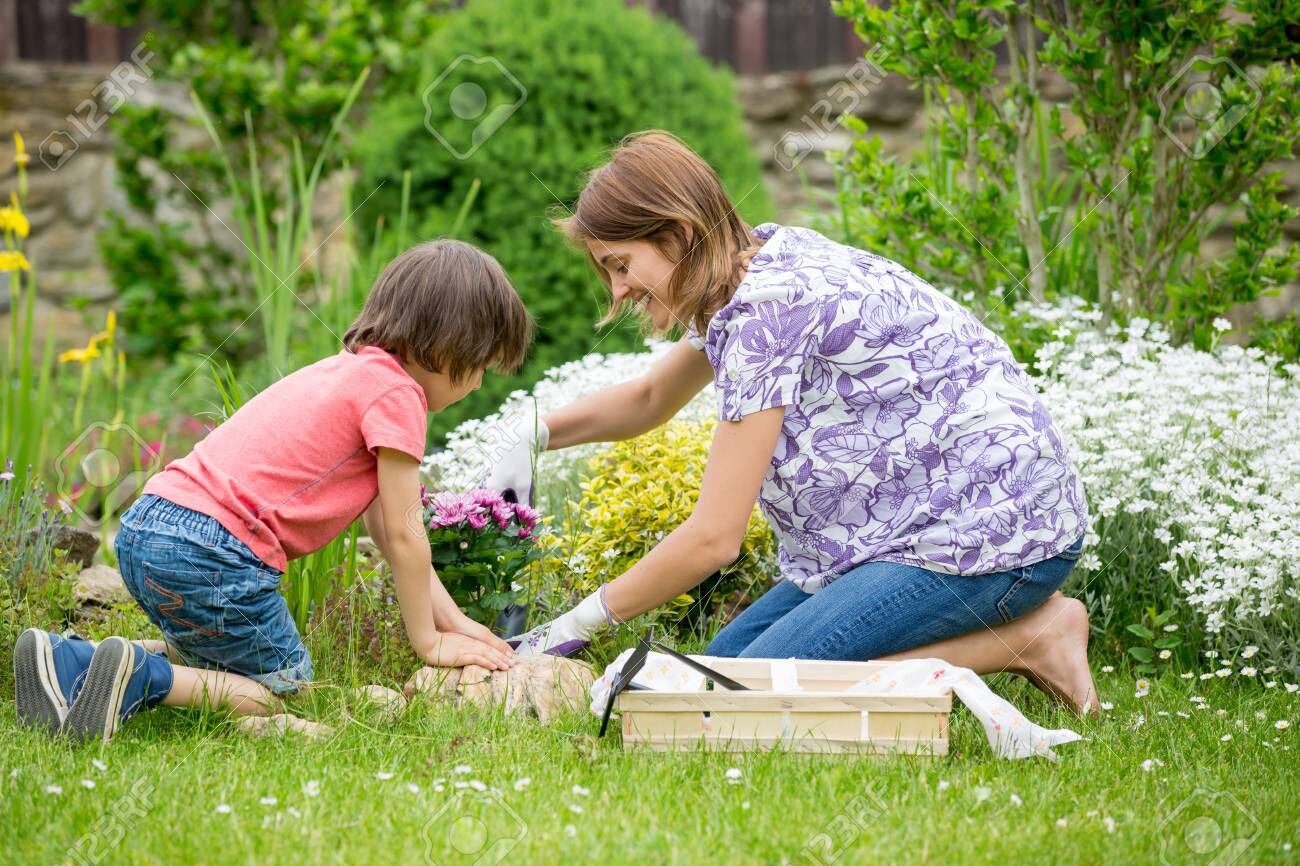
(911, 435)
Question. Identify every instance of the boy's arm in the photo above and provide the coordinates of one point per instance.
(447, 615)
(407, 551)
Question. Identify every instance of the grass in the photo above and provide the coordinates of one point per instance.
(168, 771)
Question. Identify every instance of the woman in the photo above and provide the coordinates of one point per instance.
(922, 496)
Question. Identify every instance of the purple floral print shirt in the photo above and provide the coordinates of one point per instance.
(911, 434)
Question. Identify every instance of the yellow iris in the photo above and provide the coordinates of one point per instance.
(12, 260)
(20, 152)
(13, 220)
(91, 350)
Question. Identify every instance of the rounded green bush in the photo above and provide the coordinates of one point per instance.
(526, 96)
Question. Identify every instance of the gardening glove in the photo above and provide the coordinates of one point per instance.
(513, 473)
(568, 633)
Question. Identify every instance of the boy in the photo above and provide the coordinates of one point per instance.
(203, 549)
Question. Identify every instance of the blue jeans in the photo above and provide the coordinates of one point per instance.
(217, 605)
(881, 608)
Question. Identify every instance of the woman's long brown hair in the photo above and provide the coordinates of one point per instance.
(657, 189)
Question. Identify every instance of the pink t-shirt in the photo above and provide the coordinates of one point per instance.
(299, 462)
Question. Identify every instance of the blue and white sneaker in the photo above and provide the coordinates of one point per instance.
(122, 679)
(49, 670)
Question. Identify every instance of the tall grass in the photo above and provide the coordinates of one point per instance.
(28, 368)
(277, 231)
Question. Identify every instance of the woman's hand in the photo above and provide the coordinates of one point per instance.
(568, 633)
(513, 473)
(452, 650)
(459, 623)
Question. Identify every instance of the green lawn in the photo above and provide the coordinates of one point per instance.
(162, 792)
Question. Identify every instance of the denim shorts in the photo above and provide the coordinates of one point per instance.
(881, 608)
(217, 605)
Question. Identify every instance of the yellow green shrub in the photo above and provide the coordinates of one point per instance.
(631, 496)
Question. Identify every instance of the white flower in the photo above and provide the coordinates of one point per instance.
(268, 801)
(580, 791)
(1142, 688)
(520, 784)
(1062, 822)
(981, 793)
(1173, 626)
(312, 788)
(943, 785)
(1247, 672)
(477, 785)
(733, 775)
(1187, 675)
(1221, 324)
(1249, 652)
(383, 775)
(1108, 669)
(294, 812)
(98, 764)
(1223, 672)
(54, 789)
(1109, 822)
(223, 809)
(1016, 801)
(462, 769)
(1282, 724)
(88, 784)
(1151, 763)
(1107, 706)
(1225, 738)
(1164, 654)
(412, 787)
(575, 808)
(1291, 688)
(570, 830)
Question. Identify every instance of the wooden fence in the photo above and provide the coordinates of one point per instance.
(751, 36)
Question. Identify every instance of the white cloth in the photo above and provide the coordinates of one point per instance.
(1009, 733)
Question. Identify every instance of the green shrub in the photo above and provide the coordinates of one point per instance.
(590, 73)
(1176, 119)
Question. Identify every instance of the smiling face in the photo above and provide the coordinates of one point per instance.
(638, 274)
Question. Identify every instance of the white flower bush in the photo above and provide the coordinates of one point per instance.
(1191, 455)
(1191, 462)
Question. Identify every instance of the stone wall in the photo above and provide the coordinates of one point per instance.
(67, 204)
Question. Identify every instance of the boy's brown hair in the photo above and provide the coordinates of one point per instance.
(447, 306)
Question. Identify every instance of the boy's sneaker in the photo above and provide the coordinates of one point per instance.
(122, 678)
(49, 670)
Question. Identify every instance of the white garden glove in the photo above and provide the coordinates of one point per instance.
(569, 632)
(514, 468)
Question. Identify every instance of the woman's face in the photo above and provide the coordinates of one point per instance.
(639, 275)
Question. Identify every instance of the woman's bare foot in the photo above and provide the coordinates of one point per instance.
(1054, 655)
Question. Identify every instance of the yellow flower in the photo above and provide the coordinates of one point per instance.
(20, 152)
(110, 324)
(81, 356)
(13, 220)
(12, 260)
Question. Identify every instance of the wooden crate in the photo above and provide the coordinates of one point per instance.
(821, 717)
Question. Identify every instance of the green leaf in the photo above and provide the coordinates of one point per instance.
(1141, 653)
(1141, 631)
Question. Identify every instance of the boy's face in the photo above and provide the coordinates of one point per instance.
(439, 389)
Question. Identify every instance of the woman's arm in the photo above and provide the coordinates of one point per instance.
(711, 537)
(631, 408)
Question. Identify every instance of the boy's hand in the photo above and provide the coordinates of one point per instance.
(452, 650)
(461, 624)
